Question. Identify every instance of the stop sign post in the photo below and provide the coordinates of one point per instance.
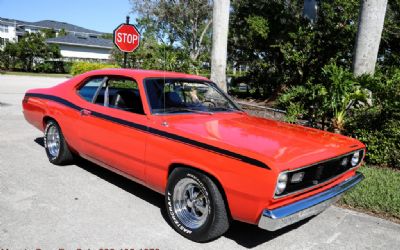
(126, 37)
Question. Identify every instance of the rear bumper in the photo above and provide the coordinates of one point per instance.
(275, 219)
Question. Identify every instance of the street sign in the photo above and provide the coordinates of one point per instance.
(126, 37)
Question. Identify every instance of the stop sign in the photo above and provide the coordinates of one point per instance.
(126, 37)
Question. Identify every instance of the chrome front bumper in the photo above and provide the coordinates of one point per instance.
(275, 219)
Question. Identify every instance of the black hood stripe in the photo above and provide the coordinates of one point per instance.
(154, 131)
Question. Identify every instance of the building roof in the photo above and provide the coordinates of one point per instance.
(50, 24)
(62, 25)
(7, 20)
(79, 40)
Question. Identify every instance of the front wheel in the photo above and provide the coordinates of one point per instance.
(56, 147)
(195, 205)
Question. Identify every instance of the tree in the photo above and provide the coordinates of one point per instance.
(30, 50)
(370, 26)
(178, 23)
(108, 36)
(153, 55)
(62, 32)
(8, 56)
(219, 42)
(389, 51)
(33, 49)
(280, 48)
(48, 33)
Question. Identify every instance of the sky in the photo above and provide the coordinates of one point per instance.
(98, 15)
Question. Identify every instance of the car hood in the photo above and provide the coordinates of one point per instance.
(278, 144)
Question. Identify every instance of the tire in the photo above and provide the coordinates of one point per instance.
(195, 205)
(55, 145)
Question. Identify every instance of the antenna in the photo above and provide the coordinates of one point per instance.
(164, 68)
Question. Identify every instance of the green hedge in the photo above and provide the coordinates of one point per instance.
(82, 67)
(378, 126)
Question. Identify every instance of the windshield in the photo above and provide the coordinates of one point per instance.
(186, 96)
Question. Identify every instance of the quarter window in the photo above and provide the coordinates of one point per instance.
(89, 88)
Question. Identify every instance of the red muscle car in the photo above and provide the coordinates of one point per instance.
(181, 136)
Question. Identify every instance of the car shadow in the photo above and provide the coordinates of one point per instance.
(132, 187)
(246, 235)
(40, 141)
(250, 236)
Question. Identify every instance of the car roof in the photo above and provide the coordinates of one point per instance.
(141, 73)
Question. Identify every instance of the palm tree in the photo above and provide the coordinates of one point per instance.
(219, 42)
(370, 26)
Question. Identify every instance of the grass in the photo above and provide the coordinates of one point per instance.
(378, 193)
(17, 73)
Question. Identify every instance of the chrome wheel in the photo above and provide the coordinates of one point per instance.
(53, 140)
(190, 203)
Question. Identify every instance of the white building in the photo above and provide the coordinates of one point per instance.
(8, 31)
(78, 44)
(83, 47)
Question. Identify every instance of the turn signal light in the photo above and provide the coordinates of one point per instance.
(297, 177)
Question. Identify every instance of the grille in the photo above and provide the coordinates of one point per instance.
(319, 173)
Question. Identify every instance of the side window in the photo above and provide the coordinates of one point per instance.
(123, 93)
(89, 88)
(114, 92)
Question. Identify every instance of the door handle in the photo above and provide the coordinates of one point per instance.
(85, 112)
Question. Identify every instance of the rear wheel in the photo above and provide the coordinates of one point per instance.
(195, 205)
(55, 145)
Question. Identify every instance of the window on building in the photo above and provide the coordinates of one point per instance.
(4, 41)
(4, 28)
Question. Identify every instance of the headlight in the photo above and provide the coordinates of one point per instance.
(281, 184)
(355, 159)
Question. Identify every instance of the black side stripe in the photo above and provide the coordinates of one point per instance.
(154, 131)
(54, 98)
(208, 147)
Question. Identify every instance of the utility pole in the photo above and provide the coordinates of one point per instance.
(370, 26)
(220, 42)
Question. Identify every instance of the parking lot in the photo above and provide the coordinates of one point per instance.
(84, 206)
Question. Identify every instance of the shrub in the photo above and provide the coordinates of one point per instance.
(327, 100)
(378, 126)
(45, 67)
(82, 67)
(341, 100)
(66, 67)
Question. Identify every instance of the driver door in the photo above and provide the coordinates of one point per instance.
(109, 125)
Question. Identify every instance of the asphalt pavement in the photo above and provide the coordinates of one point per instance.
(84, 206)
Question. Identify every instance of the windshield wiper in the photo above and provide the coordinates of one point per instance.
(173, 110)
(230, 109)
(197, 111)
